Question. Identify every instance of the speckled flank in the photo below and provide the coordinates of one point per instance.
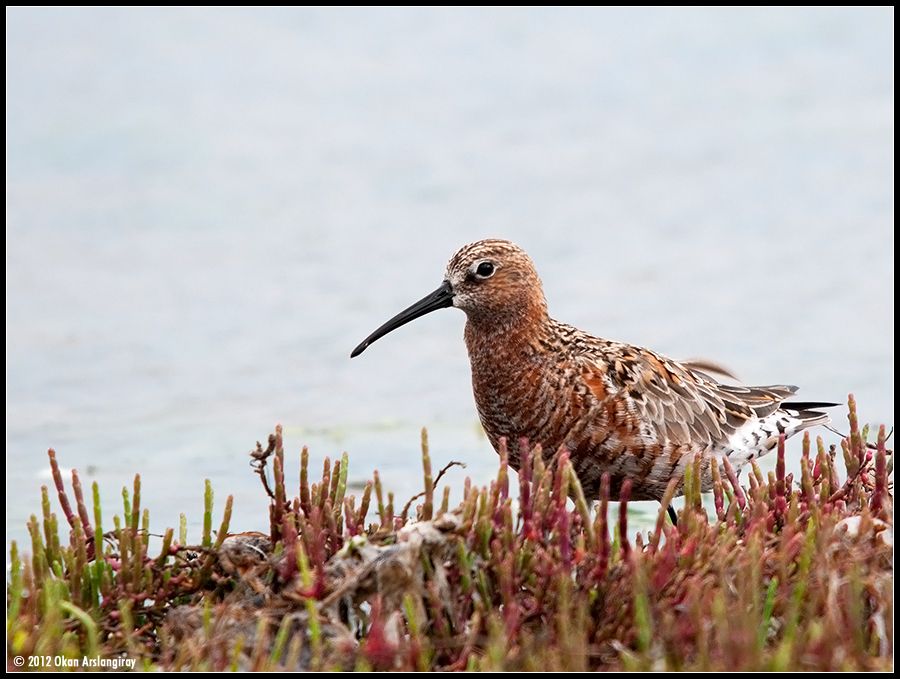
(618, 408)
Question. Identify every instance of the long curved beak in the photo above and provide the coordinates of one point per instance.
(439, 299)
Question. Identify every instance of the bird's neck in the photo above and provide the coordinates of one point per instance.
(509, 358)
(498, 339)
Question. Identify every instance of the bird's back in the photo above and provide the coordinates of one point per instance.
(621, 409)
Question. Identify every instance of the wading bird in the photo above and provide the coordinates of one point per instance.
(618, 409)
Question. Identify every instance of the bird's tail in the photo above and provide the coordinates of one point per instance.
(806, 412)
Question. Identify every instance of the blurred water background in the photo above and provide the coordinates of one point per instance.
(206, 210)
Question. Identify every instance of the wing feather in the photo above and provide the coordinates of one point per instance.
(680, 404)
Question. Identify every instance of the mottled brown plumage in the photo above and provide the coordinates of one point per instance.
(618, 408)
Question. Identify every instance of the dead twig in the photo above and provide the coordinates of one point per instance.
(437, 479)
(260, 460)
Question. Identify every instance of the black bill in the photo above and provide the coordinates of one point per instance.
(439, 299)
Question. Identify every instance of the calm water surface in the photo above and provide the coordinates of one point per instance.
(207, 210)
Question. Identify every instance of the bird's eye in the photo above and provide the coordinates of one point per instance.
(485, 270)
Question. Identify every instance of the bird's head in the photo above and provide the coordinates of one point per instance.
(494, 281)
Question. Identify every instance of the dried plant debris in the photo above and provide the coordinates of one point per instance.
(781, 573)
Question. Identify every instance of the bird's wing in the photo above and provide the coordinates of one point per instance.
(707, 367)
(679, 404)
